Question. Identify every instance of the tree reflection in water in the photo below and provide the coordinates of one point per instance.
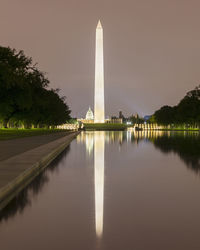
(23, 199)
(186, 147)
(185, 144)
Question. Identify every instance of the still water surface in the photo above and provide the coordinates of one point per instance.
(110, 191)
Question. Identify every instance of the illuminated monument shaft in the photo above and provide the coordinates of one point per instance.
(99, 115)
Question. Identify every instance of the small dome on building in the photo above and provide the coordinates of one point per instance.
(89, 115)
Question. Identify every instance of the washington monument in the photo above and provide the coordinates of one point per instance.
(99, 115)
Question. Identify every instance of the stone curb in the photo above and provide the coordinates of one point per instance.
(12, 188)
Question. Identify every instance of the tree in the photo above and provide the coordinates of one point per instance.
(186, 112)
(15, 94)
(24, 97)
(53, 109)
(165, 115)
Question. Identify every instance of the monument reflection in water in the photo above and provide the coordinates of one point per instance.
(148, 200)
(99, 181)
(96, 141)
(165, 141)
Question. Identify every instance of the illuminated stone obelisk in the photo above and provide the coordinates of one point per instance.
(99, 115)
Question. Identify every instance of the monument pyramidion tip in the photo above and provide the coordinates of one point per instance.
(99, 26)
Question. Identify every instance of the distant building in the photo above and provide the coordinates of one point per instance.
(89, 115)
(89, 118)
(121, 115)
(114, 120)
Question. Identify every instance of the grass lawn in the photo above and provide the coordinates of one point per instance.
(180, 129)
(7, 134)
(104, 126)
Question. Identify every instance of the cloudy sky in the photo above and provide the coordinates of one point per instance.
(151, 48)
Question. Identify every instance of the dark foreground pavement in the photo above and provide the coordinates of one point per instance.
(10, 148)
(23, 159)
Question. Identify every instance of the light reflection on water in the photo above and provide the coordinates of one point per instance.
(99, 182)
(185, 144)
(147, 200)
(95, 141)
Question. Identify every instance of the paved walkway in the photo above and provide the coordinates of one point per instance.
(27, 157)
(14, 147)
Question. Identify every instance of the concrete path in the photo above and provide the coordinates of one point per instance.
(18, 171)
(10, 148)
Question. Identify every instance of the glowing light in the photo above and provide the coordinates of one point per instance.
(99, 115)
(89, 140)
(99, 181)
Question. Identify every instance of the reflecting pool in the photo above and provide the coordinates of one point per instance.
(109, 191)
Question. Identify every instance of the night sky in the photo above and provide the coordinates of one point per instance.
(151, 48)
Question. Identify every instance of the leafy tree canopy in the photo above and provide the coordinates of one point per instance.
(24, 97)
(187, 111)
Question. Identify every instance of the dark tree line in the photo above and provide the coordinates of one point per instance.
(186, 112)
(136, 119)
(24, 95)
